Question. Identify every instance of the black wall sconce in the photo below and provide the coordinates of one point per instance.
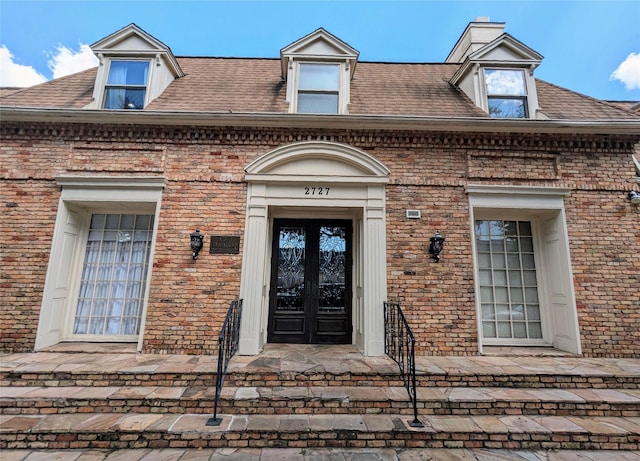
(196, 243)
(634, 197)
(437, 243)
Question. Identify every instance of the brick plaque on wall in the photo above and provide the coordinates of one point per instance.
(512, 165)
(224, 244)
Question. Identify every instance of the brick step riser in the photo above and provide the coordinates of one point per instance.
(40, 406)
(317, 439)
(322, 379)
(106, 379)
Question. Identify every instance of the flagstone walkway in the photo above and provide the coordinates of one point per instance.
(285, 358)
(276, 454)
(293, 359)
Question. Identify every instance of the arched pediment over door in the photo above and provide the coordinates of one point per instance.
(317, 159)
(313, 179)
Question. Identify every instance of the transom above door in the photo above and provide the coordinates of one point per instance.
(310, 290)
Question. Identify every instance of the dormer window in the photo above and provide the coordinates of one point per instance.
(506, 93)
(135, 69)
(318, 69)
(496, 71)
(319, 89)
(126, 85)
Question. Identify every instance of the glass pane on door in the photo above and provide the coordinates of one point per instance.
(309, 300)
(291, 269)
(332, 270)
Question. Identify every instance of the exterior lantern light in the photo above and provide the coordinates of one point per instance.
(437, 243)
(634, 197)
(196, 243)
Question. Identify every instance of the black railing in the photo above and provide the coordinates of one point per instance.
(399, 344)
(228, 340)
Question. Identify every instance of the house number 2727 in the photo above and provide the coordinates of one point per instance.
(316, 190)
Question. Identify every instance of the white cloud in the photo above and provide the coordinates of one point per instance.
(65, 61)
(13, 74)
(628, 72)
(505, 82)
(62, 62)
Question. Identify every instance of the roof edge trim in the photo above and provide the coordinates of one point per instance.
(277, 120)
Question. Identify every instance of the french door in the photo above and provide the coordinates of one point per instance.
(310, 292)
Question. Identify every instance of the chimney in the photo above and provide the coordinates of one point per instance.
(477, 34)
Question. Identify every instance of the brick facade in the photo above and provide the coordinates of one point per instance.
(205, 189)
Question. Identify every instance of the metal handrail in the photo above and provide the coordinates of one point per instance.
(228, 341)
(399, 345)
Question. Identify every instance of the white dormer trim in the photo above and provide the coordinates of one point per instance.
(133, 44)
(319, 47)
(504, 52)
(515, 54)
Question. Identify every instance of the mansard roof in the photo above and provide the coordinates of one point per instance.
(248, 85)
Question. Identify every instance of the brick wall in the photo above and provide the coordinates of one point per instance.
(206, 191)
(26, 225)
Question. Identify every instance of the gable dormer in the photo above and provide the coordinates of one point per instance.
(496, 71)
(135, 68)
(318, 69)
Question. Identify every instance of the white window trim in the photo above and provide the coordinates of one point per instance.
(100, 89)
(80, 197)
(107, 70)
(514, 215)
(543, 207)
(293, 79)
(86, 214)
(153, 86)
(525, 83)
(531, 97)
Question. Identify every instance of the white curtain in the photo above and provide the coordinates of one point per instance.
(117, 76)
(125, 84)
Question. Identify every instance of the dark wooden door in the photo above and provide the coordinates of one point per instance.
(310, 293)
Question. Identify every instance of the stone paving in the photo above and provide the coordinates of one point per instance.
(376, 424)
(397, 395)
(249, 454)
(284, 358)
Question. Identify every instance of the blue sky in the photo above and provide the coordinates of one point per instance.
(583, 42)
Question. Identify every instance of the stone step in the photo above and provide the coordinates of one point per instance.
(309, 366)
(156, 431)
(320, 400)
(463, 378)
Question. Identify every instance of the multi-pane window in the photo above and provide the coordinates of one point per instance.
(318, 88)
(114, 274)
(506, 93)
(126, 85)
(510, 307)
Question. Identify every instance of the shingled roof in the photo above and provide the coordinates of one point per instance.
(252, 85)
